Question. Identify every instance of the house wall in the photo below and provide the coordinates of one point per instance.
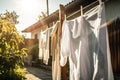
(112, 8)
(37, 32)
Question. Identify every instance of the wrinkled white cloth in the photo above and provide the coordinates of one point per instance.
(102, 60)
(87, 47)
(75, 45)
(44, 45)
(56, 69)
(42, 39)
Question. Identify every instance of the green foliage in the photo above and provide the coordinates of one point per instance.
(11, 56)
(11, 16)
(34, 50)
(16, 74)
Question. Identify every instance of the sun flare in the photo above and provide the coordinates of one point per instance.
(32, 5)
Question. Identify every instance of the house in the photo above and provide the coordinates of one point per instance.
(112, 11)
(42, 24)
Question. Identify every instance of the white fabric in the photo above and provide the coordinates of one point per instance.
(56, 69)
(54, 28)
(75, 45)
(41, 45)
(87, 47)
(102, 61)
(44, 45)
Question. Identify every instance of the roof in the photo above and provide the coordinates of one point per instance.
(70, 8)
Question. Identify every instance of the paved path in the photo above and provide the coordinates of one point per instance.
(38, 74)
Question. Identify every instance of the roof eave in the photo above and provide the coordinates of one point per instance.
(70, 8)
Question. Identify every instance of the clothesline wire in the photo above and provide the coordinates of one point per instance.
(83, 9)
(47, 29)
(80, 10)
(103, 25)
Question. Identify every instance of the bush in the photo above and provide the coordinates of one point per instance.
(16, 74)
(11, 56)
(34, 51)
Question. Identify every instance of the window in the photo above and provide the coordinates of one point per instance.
(36, 36)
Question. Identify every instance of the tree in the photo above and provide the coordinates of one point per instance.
(11, 16)
(43, 15)
(11, 56)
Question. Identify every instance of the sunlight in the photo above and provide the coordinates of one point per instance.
(28, 4)
(32, 6)
(29, 11)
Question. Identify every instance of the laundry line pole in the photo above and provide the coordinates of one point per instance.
(47, 7)
(47, 3)
(62, 14)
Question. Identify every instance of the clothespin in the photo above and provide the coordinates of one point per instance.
(100, 2)
(81, 10)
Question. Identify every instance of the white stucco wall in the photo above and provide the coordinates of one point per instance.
(37, 31)
(33, 33)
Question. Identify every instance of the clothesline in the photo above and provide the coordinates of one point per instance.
(47, 30)
(90, 5)
(75, 13)
(83, 9)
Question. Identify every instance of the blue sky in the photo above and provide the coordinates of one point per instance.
(29, 10)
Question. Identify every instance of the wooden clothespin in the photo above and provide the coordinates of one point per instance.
(100, 2)
(81, 8)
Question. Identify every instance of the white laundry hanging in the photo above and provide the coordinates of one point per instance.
(87, 47)
(44, 45)
(102, 61)
(56, 69)
(75, 45)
